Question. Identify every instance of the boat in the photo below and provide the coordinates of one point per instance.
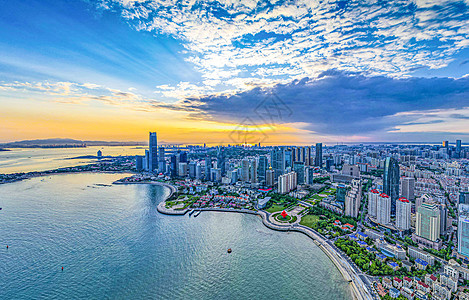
(229, 250)
(197, 214)
(192, 212)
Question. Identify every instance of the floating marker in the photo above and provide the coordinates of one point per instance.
(62, 268)
(7, 246)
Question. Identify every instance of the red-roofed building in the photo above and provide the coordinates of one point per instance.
(397, 282)
(403, 199)
(423, 287)
(374, 191)
(384, 195)
(430, 279)
(407, 282)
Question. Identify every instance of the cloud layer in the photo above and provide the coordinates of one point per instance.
(235, 44)
(347, 104)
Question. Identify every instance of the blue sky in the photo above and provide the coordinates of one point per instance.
(347, 70)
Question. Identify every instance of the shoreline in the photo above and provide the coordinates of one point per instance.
(343, 267)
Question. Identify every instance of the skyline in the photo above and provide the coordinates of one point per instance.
(289, 72)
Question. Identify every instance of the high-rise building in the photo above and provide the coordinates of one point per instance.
(308, 155)
(270, 177)
(215, 174)
(318, 157)
(208, 167)
(138, 163)
(299, 168)
(198, 171)
(287, 182)
(161, 160)
(153, 148)
(391, 181)
(253, 176)
(403, 208)
(463, 229)
(353, 199)
(443, 218)
(341, 192)
(309, 175)
(373, 196)
(192, 167)
(233, 175)
(277, 160)
(383, 209)
(458, 148)
(408, 187)
(173, 165)
(428, 222)
(221, 161)
(262, 168)
(288, 158)
(182, 169)
(146, 161)
(463, 197)
(183, 156)
(245, 170)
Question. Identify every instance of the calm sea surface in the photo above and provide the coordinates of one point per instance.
(38, 159)
(113, 244)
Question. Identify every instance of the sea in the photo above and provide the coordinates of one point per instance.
(113, 244)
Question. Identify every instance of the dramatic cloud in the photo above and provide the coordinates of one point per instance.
(340, 104)
(259, 41)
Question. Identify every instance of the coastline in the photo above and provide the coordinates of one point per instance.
(359, 291)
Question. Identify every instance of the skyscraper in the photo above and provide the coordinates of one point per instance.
(408, 187)
(173, 165)
(138, 163)
(146, 161)
(192, 167)
(161, 161)
(254, 171)
(391, 181)
(262, 168)
(458, 148)
(269, 177)
(288, 153)
(245, 170)
(463, 229)
(353, 199)
(403, 207)
(428, 222)
(309, 175)
(208, 168)
(318, 157)
(341, 192)
(153, 149)
(299, 168)
(463, 197)
(221, 160)
(287, 182)
(277, 160)
(383, 209)
(373, 196)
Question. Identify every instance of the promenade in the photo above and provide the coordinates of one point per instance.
(361, 290)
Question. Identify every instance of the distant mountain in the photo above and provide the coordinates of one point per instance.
(65, 143)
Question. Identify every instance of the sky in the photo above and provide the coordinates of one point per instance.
(230, 72)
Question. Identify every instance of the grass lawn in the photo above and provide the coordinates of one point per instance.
(309, 220)
(316, 197)
(281, 219)
(276, 207)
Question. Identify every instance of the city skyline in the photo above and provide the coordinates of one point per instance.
(279, 73)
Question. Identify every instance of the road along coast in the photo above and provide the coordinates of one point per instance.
(360, 290)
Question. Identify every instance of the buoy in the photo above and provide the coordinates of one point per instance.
(229, 250)
(62, 268)
(7, 246)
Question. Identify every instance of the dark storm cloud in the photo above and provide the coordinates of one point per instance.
(341, 103)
